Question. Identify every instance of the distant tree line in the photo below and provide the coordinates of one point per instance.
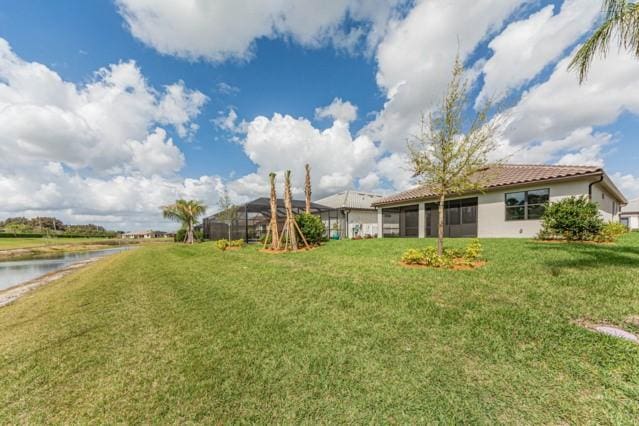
(51, 226)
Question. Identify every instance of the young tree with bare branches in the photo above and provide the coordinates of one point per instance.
(446, 158)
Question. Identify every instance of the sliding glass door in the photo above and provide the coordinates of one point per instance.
(460, 218)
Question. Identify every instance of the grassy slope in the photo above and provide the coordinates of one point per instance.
(342, 334)
(14, 243)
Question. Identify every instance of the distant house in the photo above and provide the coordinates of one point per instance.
(630, 214)
(252, 219)
(352, 214)
(511, 203)
(146, 235)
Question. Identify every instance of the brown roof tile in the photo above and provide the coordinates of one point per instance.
(501, 175)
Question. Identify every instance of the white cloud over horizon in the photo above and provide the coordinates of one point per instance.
(92, 151)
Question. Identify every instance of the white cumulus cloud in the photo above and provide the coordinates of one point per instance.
(343, 111)
(526, 46)
(227, 29)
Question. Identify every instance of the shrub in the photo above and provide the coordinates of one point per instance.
(237, 243)
(429, 257)
(312, 228)
(413, 257)
(222, 244)
(435, 260)
(611, 231)
(473, 251)
(573, 218)
(225, 244)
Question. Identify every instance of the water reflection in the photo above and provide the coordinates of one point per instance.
(14, 272)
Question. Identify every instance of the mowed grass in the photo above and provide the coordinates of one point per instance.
(16, 243)
(173, 334)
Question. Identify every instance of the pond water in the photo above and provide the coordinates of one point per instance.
(14, 272)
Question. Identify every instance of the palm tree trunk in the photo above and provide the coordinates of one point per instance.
(440, 226)
(275, 236)
(190, 232)
(289, 210)
(307, 188)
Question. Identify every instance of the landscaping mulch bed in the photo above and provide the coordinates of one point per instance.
(458, 266)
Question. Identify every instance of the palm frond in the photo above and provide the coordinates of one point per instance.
(621, 20)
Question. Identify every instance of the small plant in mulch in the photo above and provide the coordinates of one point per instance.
(452, 258)
(229, 244)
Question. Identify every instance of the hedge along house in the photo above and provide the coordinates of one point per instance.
(630, 215)
(251, 220)
(510, 204)
(352, 214)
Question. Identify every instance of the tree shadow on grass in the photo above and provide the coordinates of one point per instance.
(580, 255)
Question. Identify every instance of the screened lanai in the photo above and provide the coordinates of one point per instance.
(250, 222)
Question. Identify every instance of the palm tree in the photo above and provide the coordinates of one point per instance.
(621, 20)
(187, 212)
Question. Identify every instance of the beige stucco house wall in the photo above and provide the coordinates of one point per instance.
(491, 205)
(491, 220)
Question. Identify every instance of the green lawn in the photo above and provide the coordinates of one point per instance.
(342, 334)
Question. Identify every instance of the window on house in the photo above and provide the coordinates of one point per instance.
(526, 205)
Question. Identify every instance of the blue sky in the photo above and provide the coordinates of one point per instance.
(373, 65)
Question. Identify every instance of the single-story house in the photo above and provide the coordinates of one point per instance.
(251, 220)
(630, 214)
(136, 235)
(510, 204)
(352, 214)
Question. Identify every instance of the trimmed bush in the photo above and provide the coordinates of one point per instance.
(573, 218)
(225, 244)
(451, 256)
(473, 251)
(237, 243)
(611, 231)
(413, 257)
(222, 244)
(312, 227)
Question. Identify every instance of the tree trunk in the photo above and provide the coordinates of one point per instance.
(275, 235)
(307, 188)
(440, 226)
(190, 233)
(289, 210)
(230, 223)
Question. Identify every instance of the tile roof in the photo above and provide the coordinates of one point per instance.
(502, 175)
(350, 200)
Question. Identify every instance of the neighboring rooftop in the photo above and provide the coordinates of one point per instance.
(632, 207)
(350, 200)
(509, 175)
